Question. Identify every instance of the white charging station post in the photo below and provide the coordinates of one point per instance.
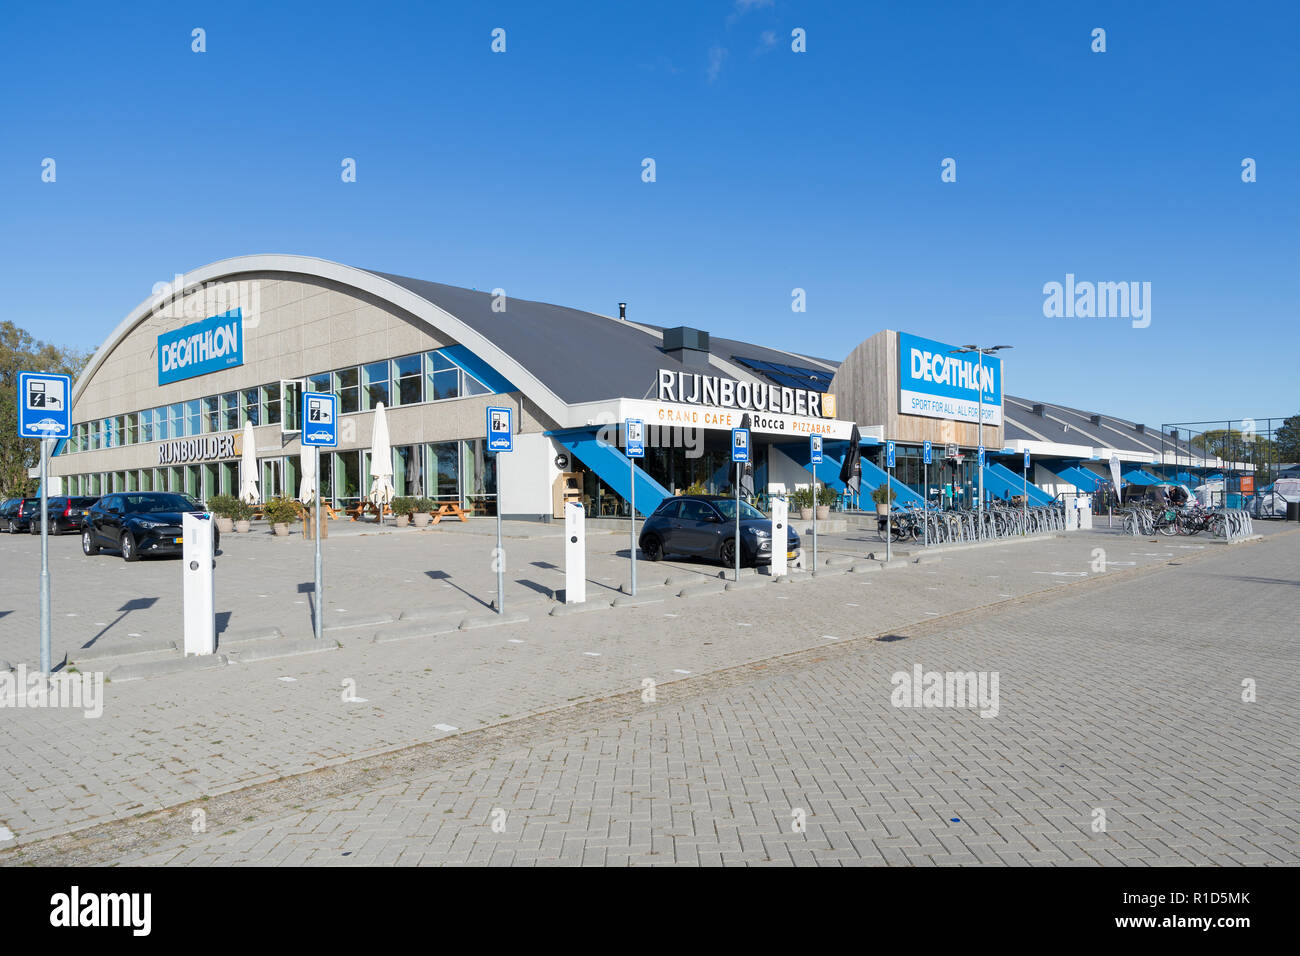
(43, 413)
(500, 439)
(780, 535)
(198, 569)
(635, 442)
(815, 458)
(575, 553)
(319, 430)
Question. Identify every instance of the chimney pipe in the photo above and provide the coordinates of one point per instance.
(622, 311)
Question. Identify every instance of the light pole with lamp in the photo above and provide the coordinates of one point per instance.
(979, 465)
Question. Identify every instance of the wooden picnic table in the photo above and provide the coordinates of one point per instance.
(449, 510)
(365, 507)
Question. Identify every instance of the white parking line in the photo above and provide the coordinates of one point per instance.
(444, 727)
(590, 654)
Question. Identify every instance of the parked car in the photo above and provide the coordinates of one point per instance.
(64, 514)
(7, 509)
(705, 526)
(139, 523)
(19, 518)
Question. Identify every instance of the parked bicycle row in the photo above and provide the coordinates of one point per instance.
(1192, 520)
(910, 523)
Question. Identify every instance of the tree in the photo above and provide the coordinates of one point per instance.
(20, 352)
(1287, 437)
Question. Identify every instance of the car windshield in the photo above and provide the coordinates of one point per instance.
(728, 508)
(155, 503)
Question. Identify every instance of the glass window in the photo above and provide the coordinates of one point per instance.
(325, 480)
(130, 481)
(320, 383)
(193, 423)
(211, 414)
(408, 378)
(176, 416)
(444, 377)
(348, 389)
(347, 476)
(230, 413)
(469, 385)
(271, 404)
(146, 480)
(252, 402)
(444, 471)
(408, 473)
(144, 426)
(376, 382)
(120, 428)
(230, 477)
(480, 471)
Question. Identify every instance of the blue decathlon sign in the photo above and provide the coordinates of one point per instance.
(740, 444)
(500, 429)
(208, 346)
(889, 454)
(43, 400)
(320, 420)
(635, 438)
(815, 450)
(927, 453)
(934, 382)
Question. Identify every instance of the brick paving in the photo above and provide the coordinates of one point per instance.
(1118, 692)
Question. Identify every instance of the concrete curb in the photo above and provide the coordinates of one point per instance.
(640, 600)
(701, 588)
(249, 636)
(433, 612)
(473, 623)
(361, 620)
(404, 630)
(862, 567)
(746, 585)
(285, 647)
(80, 655)
(565, 610)
(176, 665)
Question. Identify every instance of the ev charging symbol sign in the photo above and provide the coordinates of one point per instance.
(740, 444)
(635, 438)
(319, 421)
(815, 450)
(501, 432)
(43, 409)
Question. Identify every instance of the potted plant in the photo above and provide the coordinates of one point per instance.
(223, 507)
(423, 512)
(883, 496)
(825, 498)
(280, 513)
(402, 510)
(802, 498)
(243, 515)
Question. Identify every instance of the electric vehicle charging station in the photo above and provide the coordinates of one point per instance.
(575, 553)
(780, 535)
(198, 571)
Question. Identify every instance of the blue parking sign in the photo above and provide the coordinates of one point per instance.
(889, 454)
(927, 453)
(320, 426)
(740, 444)
(981, 456)
(635, 437)
(815, 450)
(43, 405)
(500, 429)
(1026, 459)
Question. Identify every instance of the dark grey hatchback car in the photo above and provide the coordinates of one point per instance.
(705, 526)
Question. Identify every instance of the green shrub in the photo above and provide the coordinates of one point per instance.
(801, 498)
(827, 496)
(697, 488)
(425, 506)
(281, 511)
(241, 510)
(883, 495)
(223, 506)
(403, 505)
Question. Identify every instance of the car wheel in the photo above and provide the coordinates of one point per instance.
(727, 553)
(129, 552)
(650, 548)
(88, 546)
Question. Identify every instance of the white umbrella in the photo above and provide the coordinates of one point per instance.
(248, 467)
(307, 487)
(381, 462)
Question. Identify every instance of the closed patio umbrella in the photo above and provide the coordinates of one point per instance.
(248, 467)
(307, 487)
(381, 462)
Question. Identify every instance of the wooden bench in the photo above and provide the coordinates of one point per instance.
(449, 510)
(364, 507)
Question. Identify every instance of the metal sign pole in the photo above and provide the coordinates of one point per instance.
(925, 500)
(631, 526)
(500, 557)
(320, 573)
(814, 561)
(736, 546)
(979, 525)
(889, 518)
(1025, 499)
(45, 559)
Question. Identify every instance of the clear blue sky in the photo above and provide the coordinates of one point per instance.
(775, 170)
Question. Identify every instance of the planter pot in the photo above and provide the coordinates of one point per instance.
(225, 525)
(805, 514)
(403, 520)
(882, 509)
(243, 527)
(823, 512)
(280, 529)
(421, 518)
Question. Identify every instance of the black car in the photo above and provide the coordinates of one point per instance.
(139, 523)
(705, 526)
(8, 508)
(64, 514)
(18, 514)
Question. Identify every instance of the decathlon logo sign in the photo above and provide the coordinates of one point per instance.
(936, 383)
(207, 346)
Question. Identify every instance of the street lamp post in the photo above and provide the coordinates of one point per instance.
(979, 465)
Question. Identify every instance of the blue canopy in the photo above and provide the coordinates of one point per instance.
(1081, 478)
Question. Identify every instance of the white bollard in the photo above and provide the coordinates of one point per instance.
(197, 572)
(575, 553)
(780, 535)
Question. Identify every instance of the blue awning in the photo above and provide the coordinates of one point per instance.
(1002, 482)
(1086, 481)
